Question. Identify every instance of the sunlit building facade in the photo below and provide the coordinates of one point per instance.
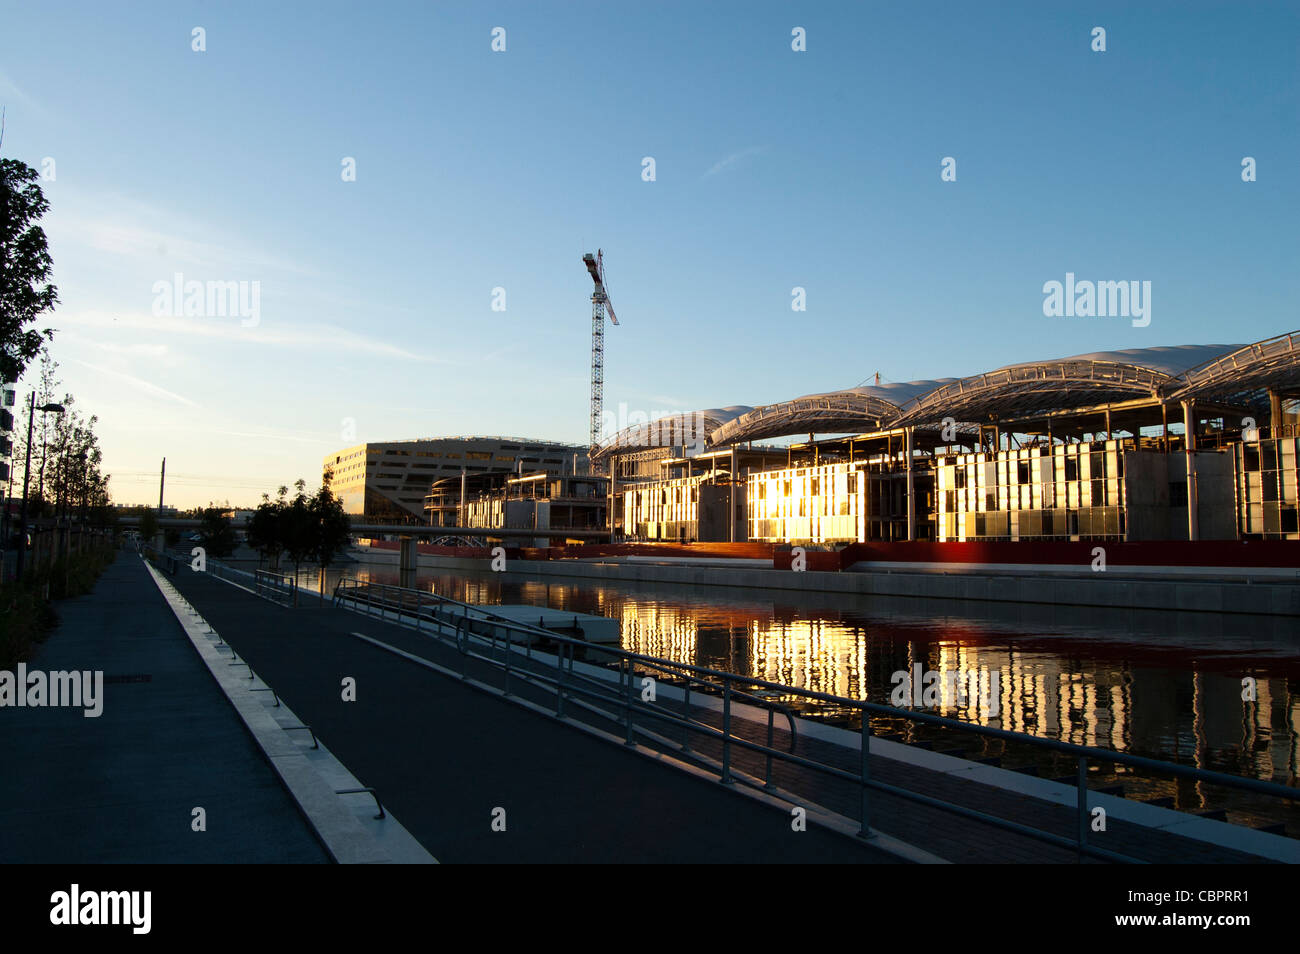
(1195, 442)
(388, 482)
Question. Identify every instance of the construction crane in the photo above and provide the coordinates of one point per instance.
(600, 304)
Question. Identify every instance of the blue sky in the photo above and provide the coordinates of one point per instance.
(478, 169)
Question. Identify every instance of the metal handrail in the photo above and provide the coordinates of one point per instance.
(464, 629)
(569, 682)
(434, 599)
(276, 583)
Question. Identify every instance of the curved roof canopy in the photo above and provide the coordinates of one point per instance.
(694, 428)
(1243, 377)
(1233, 374)
(836, 412)
(1041, 387)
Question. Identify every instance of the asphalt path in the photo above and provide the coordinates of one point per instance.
(122, 787)
(450, 760)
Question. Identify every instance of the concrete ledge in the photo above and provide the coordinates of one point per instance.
(1110, 589)
(312, 776)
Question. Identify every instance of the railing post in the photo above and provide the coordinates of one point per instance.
(686, 714)
(726, 732)
(463, 647)
(767, 778)
(627, 701)
(865, 736)
(1083, 803)
(559, 683)
(507, 650)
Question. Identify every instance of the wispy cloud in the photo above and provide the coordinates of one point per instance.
(12, 94)
(139, 383)
(327, 441)
(167, 248)
(319, 337)
(142, 349)
(723, 164)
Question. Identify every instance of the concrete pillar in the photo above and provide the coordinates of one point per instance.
(1189, 453)
(409, 561)
(1274, 414)
(460, 513)
(911, 489)
(613, 495)
(734, 496)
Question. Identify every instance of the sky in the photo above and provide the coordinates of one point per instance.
(482, 176)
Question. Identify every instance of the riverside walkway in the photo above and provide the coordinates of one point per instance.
(433, 737)
(448, 759)
(122, 786)
(441, 755)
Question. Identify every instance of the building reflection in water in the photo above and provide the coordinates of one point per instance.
(1115, 681)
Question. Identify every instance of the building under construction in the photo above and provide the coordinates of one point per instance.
(1170, 443)
(388, 482)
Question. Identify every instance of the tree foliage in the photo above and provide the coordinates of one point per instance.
(25, 268)
(264, 527)
(66, 459)
(306, 529)
(331, 525)
(217, 534)
(148, 525)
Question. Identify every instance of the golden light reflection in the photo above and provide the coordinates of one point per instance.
(1133, 696)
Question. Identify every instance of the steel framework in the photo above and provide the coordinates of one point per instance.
(1239, 376)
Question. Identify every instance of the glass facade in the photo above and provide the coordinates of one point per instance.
(664, 510)
(820, 504)
(1267, 475)
(1063, 492)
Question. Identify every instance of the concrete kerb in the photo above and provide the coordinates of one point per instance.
(312, 776)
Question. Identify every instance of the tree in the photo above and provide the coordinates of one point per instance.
(148, 526)
(41, 428)
(25, 267)
(331, 527)
(66, 478)
(296, 529)
(217, 535)
(305, 529)
(264, 527)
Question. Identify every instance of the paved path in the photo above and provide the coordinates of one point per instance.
(121, 787)
(443, 755)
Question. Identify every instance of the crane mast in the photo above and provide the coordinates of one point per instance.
(600, 305)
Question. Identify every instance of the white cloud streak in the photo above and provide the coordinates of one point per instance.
(726, 163)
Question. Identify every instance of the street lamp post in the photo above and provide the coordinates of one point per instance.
(27, 469)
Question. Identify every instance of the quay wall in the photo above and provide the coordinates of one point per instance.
(1160, 588)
